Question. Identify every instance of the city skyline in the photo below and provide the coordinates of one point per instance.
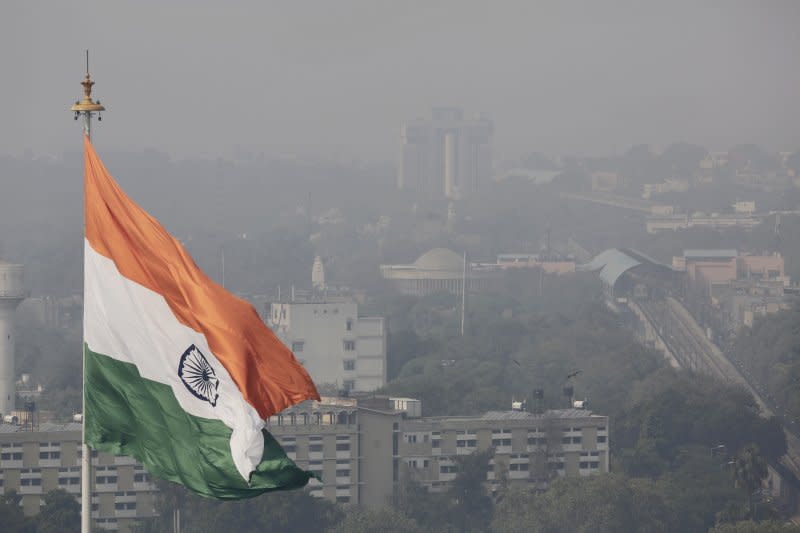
(294, 79)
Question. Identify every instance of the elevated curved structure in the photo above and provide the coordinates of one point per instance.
(621, 268)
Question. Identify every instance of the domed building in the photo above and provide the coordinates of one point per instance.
(438, 270)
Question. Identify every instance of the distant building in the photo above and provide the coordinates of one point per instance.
(364, 447)
(656, 223)
(35, 462)
(439, 270)
(669, 185)
(604, 181)
(727, 290)
(318, 274)
(334, 344)
(625, 273)
(445, 155)
(723, 265)
(552, 264)
(746, 207)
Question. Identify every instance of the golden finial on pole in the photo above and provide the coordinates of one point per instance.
(87, 107)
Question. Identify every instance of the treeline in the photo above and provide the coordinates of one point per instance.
(770, 354)
(688, 453)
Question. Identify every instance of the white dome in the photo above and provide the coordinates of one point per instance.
(440, 259)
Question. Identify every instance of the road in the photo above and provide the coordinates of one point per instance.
(689, 345)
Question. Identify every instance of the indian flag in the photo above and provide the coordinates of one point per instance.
(179, 373)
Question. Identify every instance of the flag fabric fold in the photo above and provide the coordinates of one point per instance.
(179, 373)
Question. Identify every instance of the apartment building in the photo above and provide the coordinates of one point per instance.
(34, 463)
(528, 447)
(364, 447)
(334, 343)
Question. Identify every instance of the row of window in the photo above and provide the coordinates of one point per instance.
(348, 345)
(49, 455)
(317, 447)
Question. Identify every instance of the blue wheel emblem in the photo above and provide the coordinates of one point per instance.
(198, 376)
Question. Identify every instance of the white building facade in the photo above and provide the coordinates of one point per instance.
(334, 344)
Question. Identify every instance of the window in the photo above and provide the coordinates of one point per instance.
(349, 364)
(601, 438)
(315, 447)
(297, 346)
(349, 324)
(349, 384)
(343, 447)
(349, 346)
(343, 473)
(436, 443)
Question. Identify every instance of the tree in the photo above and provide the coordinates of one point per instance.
(12, 518)
(61, 513)
(753, 527)
(749, 470)
(385, 520)
(471, 505)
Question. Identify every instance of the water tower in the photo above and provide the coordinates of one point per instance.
(11, 294)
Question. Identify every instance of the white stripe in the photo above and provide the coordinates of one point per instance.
(133, 324)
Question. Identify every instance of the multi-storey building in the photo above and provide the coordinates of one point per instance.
(446, 154)
(363, 448)
(334, 344)
(34, 463)
(528, 447)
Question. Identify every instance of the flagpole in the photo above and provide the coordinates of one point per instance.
(86, 109)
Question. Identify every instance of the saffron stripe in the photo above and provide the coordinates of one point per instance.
(265, 371)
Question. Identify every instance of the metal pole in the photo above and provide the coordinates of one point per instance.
(463, 293)
(86, 454)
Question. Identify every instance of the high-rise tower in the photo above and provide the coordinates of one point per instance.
(445, 155)
(12, 292)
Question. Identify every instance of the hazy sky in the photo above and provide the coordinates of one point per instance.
(336, 77)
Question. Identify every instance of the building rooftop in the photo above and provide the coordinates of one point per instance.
(614, 262)
(45, 427)
(710, 253)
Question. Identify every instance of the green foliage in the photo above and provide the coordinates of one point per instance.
(749, 470)
(385, 520)
(471, 507)
(281, 511)
(12, 519)
(770, 353)
(670, 410)
(597, 504)
(61, 513)
(753, 527)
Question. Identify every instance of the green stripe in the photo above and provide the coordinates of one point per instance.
(126, 414)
